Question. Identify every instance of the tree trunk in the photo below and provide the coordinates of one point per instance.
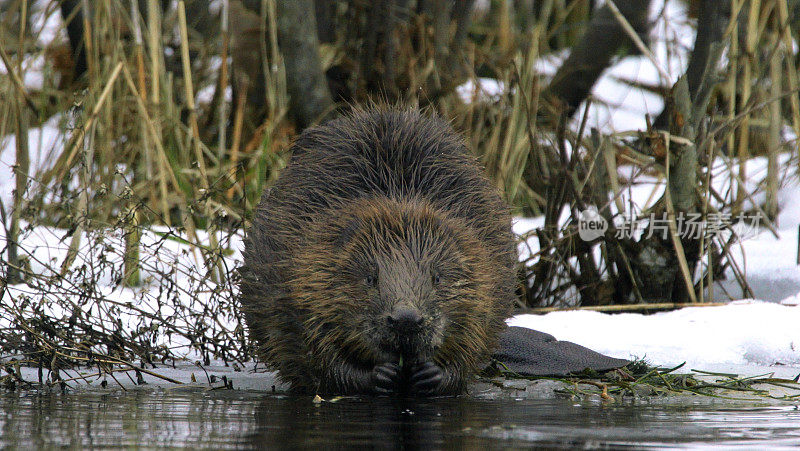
(14, 275)
(712, 19)
(604, 36)
(309, 97)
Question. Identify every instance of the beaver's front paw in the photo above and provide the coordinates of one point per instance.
(386, 378)
(426, 379)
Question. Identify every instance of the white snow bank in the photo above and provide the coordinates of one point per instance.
(44, 143)
(480, 90)
(744, 332)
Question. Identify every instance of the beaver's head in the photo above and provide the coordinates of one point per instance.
(387, 280)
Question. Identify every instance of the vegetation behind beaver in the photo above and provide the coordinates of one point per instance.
(382, 260)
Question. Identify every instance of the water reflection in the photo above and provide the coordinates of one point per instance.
(469, 423)
(383, 422)
(233, 419)
(124, 419)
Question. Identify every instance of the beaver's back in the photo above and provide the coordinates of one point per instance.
(386, 153)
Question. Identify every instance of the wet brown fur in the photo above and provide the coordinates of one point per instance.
(389, 191)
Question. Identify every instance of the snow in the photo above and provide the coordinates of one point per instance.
(740, 333)
(32, 72)
(206, 94)
(48, 28)
(47, 24)
(43, 143)
(480, 90)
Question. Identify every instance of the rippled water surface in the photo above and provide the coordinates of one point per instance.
(234, 419)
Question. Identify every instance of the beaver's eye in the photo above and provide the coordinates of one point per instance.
(371, 281)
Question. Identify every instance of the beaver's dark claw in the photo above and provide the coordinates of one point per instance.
(426, 378)
(386, 378)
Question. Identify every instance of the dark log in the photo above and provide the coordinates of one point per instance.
(72, 13)
(324, 13)
(462, 16)
(712, 19)
(309, 97)
(603, 39)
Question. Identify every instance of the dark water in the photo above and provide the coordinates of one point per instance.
(231, 419)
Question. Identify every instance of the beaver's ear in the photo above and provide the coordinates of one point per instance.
(346, 233)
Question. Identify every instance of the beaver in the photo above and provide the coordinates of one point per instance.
(381, 261)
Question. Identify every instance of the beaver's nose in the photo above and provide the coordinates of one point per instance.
(404, 318)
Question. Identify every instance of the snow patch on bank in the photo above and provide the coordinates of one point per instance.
(744, 332)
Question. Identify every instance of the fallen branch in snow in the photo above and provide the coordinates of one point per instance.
(626, 308)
